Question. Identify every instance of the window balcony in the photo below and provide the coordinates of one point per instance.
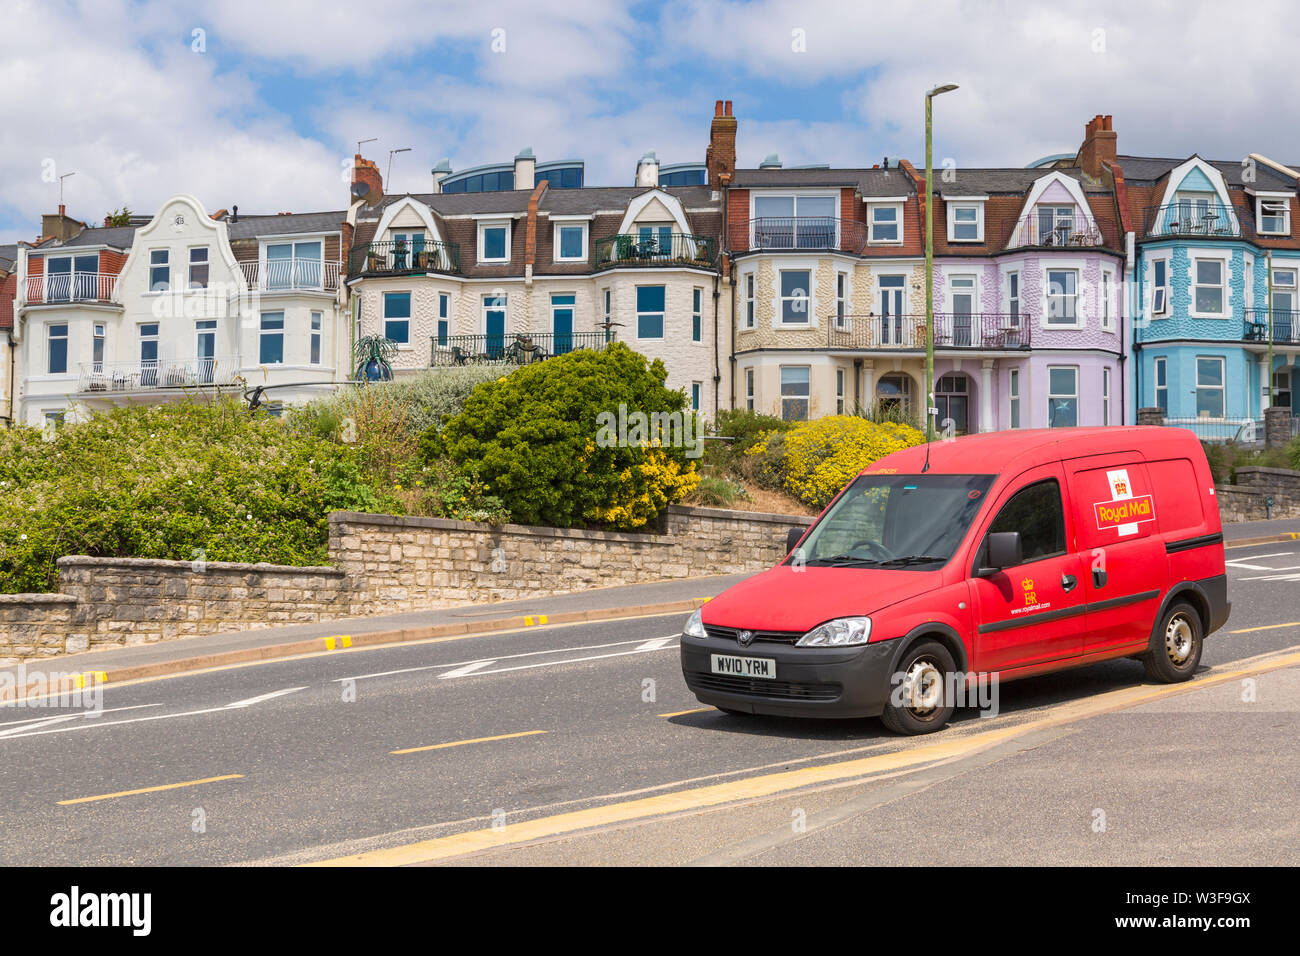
(60, 287)
(659, 249)
(799, 234)
(511, 348)
(292, 275)
(152, 375)
(983, 331)
(403, 258)
(1286, 327)
(1056, 233)
(1195, 220)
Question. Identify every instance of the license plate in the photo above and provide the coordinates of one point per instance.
(764, 667)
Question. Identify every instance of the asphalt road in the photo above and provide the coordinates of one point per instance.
(368, 749)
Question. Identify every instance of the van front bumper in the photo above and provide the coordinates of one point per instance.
(809, 682)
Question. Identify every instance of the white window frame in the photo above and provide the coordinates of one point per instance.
(263, 332)
(697, 313)
(558, 224)
(697, 395)
(190, 264)
(806, 398)
(842, 298)
(486, 224)
(166, 264)
(1107, 305)
(1158, 364)
(749, 389)
(66, 339)
(872, 208)
(1160, 293)
(778, 320)
(796, 196)
(1221, 388)
(1077, 322)
(750, 319)
(1013, 277)
(1105, 396)
(663, 316)
(1054, 395)
(1264, 200)
(839, 391)
(1224, 286)
(955, 204)
(1013, 398)
(316, 338)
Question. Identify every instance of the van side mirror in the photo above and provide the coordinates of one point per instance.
(1003, 550)
(792, 538)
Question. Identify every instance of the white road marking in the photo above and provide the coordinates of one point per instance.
(257, 700)
(507, 657)
(1273, 577)
(1248, 567)
(30, 722)
(467, 669)
(658, 644)
(567, 660)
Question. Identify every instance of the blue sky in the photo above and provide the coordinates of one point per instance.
(265, 111)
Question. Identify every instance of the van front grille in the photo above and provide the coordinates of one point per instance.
(760, 637)
(787, 690)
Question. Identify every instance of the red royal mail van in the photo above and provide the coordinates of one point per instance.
(1010, 554)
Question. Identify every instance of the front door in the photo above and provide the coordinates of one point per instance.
(1032, 613)
(963, 307)
(562, 323)
(952, 396)
(206, 332)
(1115, 516)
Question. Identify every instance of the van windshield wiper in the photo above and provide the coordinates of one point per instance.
(913, 559)
(842, 561)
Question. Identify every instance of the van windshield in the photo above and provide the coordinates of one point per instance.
(896, 521)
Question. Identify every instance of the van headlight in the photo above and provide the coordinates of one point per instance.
(841, 632)
(695, 625)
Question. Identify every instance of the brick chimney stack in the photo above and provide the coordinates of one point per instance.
(720, 157)
(367, 183)
(1099, 146)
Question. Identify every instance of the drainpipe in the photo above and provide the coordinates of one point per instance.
(717, 365)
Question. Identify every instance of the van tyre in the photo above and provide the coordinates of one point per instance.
(918, 702)
(1175, 646)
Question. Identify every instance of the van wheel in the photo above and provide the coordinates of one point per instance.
(917, 702)
(1175, 646)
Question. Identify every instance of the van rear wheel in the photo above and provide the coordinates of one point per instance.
(918, 702)
(1176, 646)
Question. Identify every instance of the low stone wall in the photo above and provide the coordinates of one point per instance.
(382, 564)
(1247, 498)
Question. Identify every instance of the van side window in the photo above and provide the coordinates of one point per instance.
(1037, 513)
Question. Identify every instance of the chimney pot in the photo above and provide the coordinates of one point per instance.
(717, 108)
(726, 109)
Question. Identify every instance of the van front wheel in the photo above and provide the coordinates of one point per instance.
(919, 702)
(1176, 646)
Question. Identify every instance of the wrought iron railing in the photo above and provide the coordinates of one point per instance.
(403, 256)
(1286, 326)
(1054, 232)
(673, 249)
(70, 287)
(991, 331)
(150, 374)
(812, 233)
(511, 348)
(1196, 219)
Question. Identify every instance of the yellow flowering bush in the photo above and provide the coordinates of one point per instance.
(814, 460)
(645, 489)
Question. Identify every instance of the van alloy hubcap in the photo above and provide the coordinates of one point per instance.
(1178, 640)
(923, 688)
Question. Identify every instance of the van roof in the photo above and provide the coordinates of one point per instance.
(1016, 451)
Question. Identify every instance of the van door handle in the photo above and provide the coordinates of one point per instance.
(1098, 578)
(1068, 581)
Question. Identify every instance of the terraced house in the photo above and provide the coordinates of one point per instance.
(830, 297)
(1215, 289)
(523, 267)
(179, 303)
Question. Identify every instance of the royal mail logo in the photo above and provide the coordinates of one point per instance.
(1027, 584)
(1113, 514)
(1121, 489)
(1031, 596)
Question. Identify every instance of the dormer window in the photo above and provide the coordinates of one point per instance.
(886, 223)
(1055, 225)
(965, 221)
(1273, 213)
(570, 241)
(494, 241)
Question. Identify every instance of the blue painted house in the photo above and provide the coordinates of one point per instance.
(1215, 280)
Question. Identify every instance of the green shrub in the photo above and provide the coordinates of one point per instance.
(745, 429)
(531, 437)
(183, 481)
(714, 492)
(815, 459)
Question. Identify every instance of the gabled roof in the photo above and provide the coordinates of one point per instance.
(976, 182)
(1147, 170)
(8, 256)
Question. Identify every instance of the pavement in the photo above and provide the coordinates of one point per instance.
(579, 742)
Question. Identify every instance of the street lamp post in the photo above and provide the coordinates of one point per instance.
(929, 258)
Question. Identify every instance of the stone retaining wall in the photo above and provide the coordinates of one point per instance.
(1247, 499)
(382, 564)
